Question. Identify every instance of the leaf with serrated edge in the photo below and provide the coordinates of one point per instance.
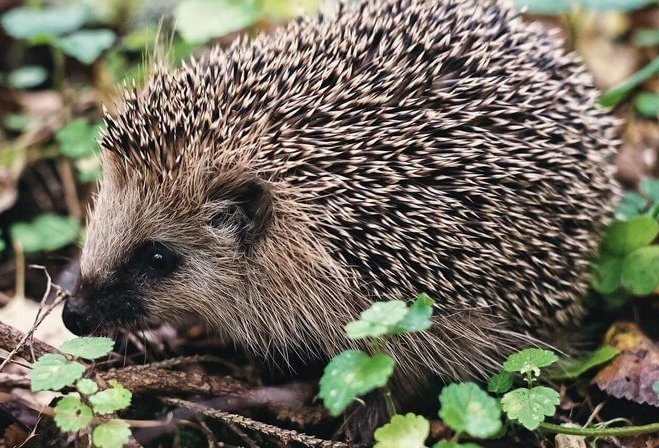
(111, 400)
(112, 434)
(88, 347)
(530, 406)
(529, 360)
(409, 431)
(465, 407)
(418, 316)
(71, 414)
(86, 386)
(54, 372)
(500, 383)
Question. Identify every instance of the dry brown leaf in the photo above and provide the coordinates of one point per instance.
(632, 373)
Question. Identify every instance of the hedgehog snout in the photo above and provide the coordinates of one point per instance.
(75, 318)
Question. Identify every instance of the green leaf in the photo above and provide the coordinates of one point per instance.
(640, 270)
(647, 104)
(606, 274)
(71, 414)
(529, 360)
(655, 387)
(409, 431)
(612, 96)
(578, 367)
(29, 23)
(544, 6)
(614, 5)
(500, 383)
(650, 188)
(351, 374)
(646, 37)
(201, 20)
(87, 45)
(622, 237)
(86, 386)
(46, 232)
(632, 204)
(530, 406)
(418, 316)
(377, 320)
(444, 444)
(88, 347)
(54, 372)
(27, 77)
(17, 122)
(89, 169)
(465, 407)
(111, 400)
(113, 434)
(78, 138)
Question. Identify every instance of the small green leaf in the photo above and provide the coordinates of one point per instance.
(646, 37)
(647, 104)
(623, 237)
(377, 320)
(78, 138)
(88, 347)
(54, 372)
(606, 274)
(631, 205)
(465, 407)
(113, 434)
(409, 431)
(418, 316)
(27, 77)
(47, 232)
(17, 122)
(89, 169)
(71, 414)
(111, 400)
(86, 386)
(650, 188)
(500, 383)
(578, 367)
(198, 21)
(530, 406)
(360, 329)
(640, 270)
(444, 444)
(351, 374)
(614, 95)
(529, 360)
(30, 23)
(87, 45)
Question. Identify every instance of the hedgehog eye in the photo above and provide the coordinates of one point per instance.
(159, 259)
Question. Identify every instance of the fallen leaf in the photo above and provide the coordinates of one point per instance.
(631, 374)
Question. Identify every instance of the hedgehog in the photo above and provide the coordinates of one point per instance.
(273, 189)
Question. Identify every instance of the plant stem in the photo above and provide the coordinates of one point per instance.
(377, 346)
(601, 432)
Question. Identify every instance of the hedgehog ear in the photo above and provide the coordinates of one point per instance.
(245, 204)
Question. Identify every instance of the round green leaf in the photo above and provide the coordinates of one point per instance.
(500, 383)
(529, 360)
(418, 316)
(47, 232)
(111, 400)
(623, 237)
(606, 274)
(201, 20)
(54, 372)
(78, 139)
(640, 270)
(578, 367)
(88, 347)
(632, 204)
(650, 188)
(86, 386)
(379, 319)
(27, 77)
(71, 414)
(530, 406)
(113, 434)
(30, 23)
(409, 431)
(359, 329)
(87, 45)
(350, 374)
(465, 407)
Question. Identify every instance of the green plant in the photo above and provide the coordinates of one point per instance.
(86, 407)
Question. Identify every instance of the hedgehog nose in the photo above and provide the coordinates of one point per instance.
(75, 319)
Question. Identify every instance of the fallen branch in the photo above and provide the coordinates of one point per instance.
(10, 341)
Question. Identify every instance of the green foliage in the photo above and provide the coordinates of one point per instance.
(46, 233)
(409, 431)
(350, 374)
(530, 406)
(87, 45)
(88, 347)
(578, 367)
(112, 434)
(647, 104)
(623, 237)
(529, 360)
(640, 270)
(71, 414)
(27, 77)
(54, 372)
(78, 138)
(199, 21)
(465, 407)
(632, 204)
(614, 95)
(44, 24)
(565, 6)
(500, 383)
(86, 386)
(111, 400)
(646, 37)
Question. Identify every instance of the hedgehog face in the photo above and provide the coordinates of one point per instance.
(154, 254)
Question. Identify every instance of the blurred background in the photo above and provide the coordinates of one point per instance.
(61, 61)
